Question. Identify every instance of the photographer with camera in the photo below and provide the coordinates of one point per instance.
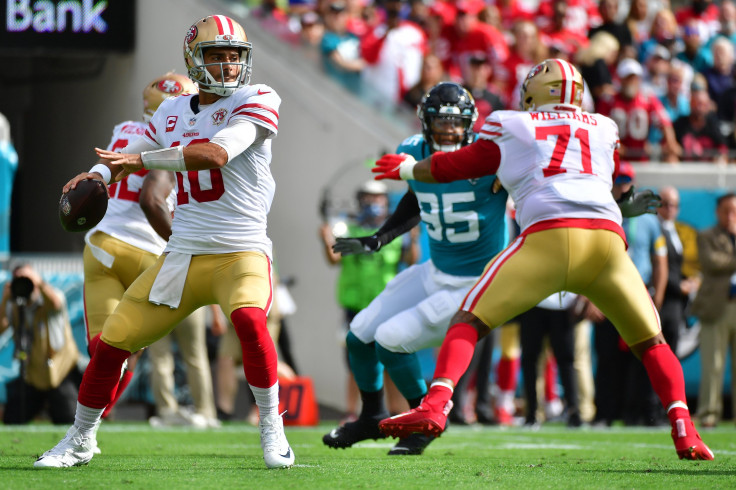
(44, 346)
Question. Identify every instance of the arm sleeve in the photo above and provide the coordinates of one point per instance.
(404, 218)
(139, 145)
(475, 160)
(237, 136)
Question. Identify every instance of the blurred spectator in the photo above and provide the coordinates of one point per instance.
(468, 36)
(44, 346)
(552, 318)
(610, 24)
(512, 11)
(636, 113)
(637, 20)
(491, 16)
(578, 16)
(312, 30)
(699, 133)
(341, 49)
(716, 308)
(727, 22)
(526, 51)
(693, 52)
(679, 287)
(477, 84)
(361, 17)
(664, 32)
(432, 74)
(596, 62)
(558, 31)
(675, 101)
(657, 66)
(720, 75)
(703, 16)
(190, 337)
(419, 13)
(393, 51)
(8, 165)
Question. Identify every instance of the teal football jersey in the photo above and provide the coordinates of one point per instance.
(464, 220)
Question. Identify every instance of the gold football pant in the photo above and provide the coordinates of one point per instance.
(593, 263)
(104, 287)
(233, 280)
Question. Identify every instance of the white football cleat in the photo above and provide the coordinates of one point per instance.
(276, 450)
(74, 449)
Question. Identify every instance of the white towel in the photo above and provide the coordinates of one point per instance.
(105, 258)
(169, 283)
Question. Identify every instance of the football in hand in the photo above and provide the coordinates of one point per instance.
(83, 207)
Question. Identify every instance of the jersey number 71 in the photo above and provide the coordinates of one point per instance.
(562, 131)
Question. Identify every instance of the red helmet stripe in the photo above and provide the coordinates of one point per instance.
(218, 21)
(563, 89)
(568, 78)
(224, 24)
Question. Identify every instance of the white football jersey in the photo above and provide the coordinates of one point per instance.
(124, 218)
(220, 210)
(556, 165)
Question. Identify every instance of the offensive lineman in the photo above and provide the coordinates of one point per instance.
(557, 163)
(219, 145)
(466, 226)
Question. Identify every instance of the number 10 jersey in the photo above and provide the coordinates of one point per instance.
(220, 210)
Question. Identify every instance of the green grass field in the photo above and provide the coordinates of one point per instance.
(136, 456)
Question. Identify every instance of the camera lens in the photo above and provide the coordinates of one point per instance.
(21, 287)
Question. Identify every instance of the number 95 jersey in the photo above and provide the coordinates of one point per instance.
(220, 210)
(556, 165)
(465, 221)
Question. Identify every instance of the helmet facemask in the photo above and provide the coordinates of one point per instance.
(446, 108)
(444, 132)
(207, 83)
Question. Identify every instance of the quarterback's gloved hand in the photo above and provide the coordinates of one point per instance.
(395, 167)
(357, 245)
(634, 203)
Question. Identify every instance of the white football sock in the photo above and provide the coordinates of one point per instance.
(267, 399)
(86, 419)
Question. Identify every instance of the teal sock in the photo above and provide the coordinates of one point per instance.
(405, 371)
(364, 364)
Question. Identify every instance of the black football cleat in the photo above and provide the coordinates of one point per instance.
(412, 445)
(350, 433)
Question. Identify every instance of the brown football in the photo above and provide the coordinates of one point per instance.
(82, 208)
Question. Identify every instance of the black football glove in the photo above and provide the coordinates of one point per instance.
(357, 245)
(634, 203)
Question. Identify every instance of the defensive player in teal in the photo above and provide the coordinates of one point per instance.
(465, 222)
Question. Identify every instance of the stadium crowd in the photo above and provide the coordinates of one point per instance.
(662, 70)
